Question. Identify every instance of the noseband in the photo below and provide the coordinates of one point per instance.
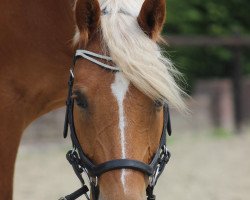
(81, 163)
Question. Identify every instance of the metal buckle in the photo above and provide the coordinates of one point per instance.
(72, 73)
(153, 178)
(62, 198)
(94, 181)
(74, 150)
(164, 150)
(163, 160)
(165, 155)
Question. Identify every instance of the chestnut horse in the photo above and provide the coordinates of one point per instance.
(115, 113)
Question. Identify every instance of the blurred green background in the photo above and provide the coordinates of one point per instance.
(207, 18)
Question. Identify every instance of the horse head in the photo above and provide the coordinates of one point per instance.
(119, 104)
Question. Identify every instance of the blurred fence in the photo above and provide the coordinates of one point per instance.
(240, 105)
(201, 41)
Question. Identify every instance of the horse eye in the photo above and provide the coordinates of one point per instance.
(80, 99)
(158, 103)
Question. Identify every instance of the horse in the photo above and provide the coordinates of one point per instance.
(117, 115)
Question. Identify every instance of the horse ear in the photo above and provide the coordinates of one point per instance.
(87, 16)
(152, 17)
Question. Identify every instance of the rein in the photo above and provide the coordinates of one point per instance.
(81, 163)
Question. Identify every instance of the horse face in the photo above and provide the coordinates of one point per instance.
(113, 118)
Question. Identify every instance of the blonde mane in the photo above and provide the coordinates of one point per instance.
(139, 57)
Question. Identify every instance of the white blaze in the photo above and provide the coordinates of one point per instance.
(119, 89)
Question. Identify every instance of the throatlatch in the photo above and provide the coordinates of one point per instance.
(81, 163)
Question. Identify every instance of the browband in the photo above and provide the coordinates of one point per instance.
(89, 56)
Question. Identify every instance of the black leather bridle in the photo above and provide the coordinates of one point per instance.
(81, 163)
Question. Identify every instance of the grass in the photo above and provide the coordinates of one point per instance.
(220, 133)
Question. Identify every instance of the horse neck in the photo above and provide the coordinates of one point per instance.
(35, 54)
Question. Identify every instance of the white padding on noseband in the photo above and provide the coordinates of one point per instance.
(88, 55)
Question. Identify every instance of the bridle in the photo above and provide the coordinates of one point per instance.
(81, 163)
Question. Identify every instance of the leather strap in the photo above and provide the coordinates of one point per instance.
(76, 194)
(122, 164)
